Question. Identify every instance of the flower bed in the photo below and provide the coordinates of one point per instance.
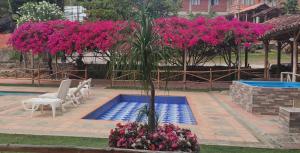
(165, 138)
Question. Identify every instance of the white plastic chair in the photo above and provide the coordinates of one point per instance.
(74, 96)
(53, 102)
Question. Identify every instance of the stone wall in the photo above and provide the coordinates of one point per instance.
(290, 119)
(242, 95)
(264, 101)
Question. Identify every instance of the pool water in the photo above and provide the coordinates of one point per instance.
(14, 93)
(272, 84)
(170, 109)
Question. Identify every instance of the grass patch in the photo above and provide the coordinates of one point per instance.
(103, 142)
(227, 149)
(257, 58)
(52, 140)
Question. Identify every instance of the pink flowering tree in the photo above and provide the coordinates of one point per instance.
(33, 37)
(175, 35)
(198, 40)
(191, 38)
(235, 35)
(60, 37)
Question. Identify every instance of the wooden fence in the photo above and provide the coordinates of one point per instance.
(38, 74)
(184, 79)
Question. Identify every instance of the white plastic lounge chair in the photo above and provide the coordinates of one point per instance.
(85, 90)
(53, 102)
(74, 95)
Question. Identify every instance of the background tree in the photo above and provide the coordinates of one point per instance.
(18, 3)
(39, 11)
(108, 9)
(161, 8)
(6, 21)
(290, 6)
(9, 8)
(127, 9)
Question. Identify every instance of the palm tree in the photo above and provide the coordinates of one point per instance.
(144, 56)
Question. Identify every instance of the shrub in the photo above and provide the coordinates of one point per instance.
(41, 11)
(165, 138)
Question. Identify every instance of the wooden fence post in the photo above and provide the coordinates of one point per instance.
(134, 78)
(32, 68)
(62, 74)
(112, 77)
(210, 78)
(39, 77)
(239, 73)
(85, 73)
(239, 63)
(16, 73)
(266, 70)
(184, 70)
(56, 68)
(158, 78)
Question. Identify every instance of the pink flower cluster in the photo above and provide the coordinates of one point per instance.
(66, 36)
(182, 33)
(175, 32)
(31, 37)
(165, 138)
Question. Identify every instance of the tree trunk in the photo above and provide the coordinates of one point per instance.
(151, 115)
(50, 64)
(229, 59)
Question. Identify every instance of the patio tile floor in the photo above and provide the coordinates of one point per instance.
(219, 120)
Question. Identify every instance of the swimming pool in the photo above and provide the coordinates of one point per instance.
(17, 93)
(272, 84)
(171, 109)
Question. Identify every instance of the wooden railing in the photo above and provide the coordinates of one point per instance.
(210, 77)
(288, 76)
(39, 74)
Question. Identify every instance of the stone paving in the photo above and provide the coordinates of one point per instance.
(220, 121)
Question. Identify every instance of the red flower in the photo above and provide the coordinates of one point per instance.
(174, 146)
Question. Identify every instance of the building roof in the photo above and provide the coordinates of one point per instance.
(252, 7)
(283, 26)
(267, 11)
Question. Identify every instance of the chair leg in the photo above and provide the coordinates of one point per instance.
(32, 109)
(42, 109)
(53, 110)
(62, 107)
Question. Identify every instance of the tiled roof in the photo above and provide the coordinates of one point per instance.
(282, 25)
(252, 7)
(266, 11)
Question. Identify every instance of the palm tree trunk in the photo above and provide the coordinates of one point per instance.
(151, 115)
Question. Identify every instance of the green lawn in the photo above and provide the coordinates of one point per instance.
(101, 143)
(52, 140)
(225, 149)
(258, 58)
